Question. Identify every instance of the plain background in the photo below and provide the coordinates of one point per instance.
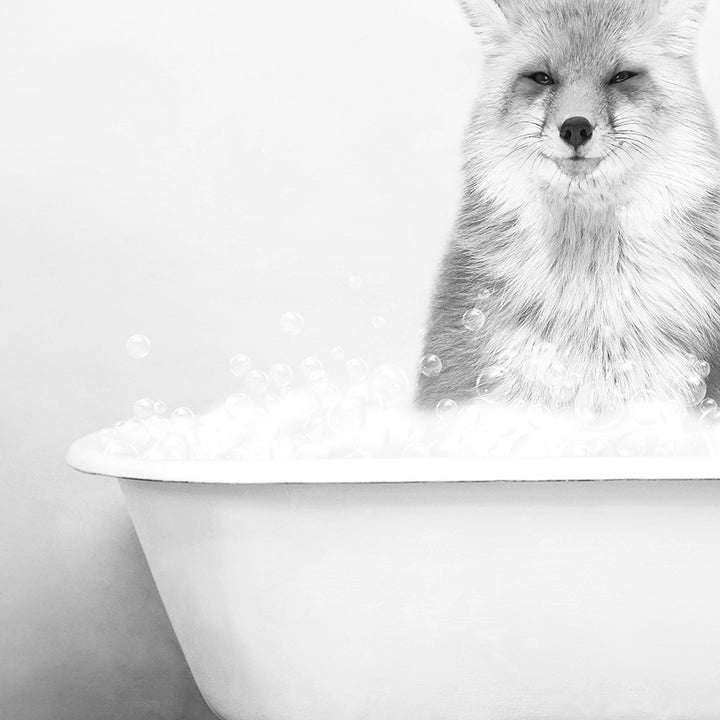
(191, 171)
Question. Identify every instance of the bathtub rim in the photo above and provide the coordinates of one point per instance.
(87, 456)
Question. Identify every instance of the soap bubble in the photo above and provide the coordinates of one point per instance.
(349, 453)
(311, 365)
(312, 451)
(212, 435)
(586, 405)
(585, 413)
(281, 375)
(107, 436)
(604, 447)
(702, 368)
(325, 390)
(240, 365)
(627, 367)
(314, 428)
(257, 382)
(292, 323)
(182, 418)
(319, 380)
(158, 427)
(170, 448)
(563, 385)
(490, 379)
(347, 417)
(447, 410)
(253, 450)
(138, 347)
(529, 445)
(272, 401)
(143, 409)
(239, 406)
(378, 322)
(711, 418)
(543, 354)
(329, 396)
(646, 412)
(579, 449)
(364, 414)
(697, 389)
(441, 449)
(431, 365)
(484, 294)
(474, 320)
(121, 447)
(134, 432)
(690, 389)
(285, 448)
(355, 282)
(553, 375)
(664, 445)
(374, 435)
(416, 450)
(357, 370)
(627, 378)
(390, 383)
(566, 390)
(632, 444)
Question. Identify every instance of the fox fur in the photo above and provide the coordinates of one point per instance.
(597, 268)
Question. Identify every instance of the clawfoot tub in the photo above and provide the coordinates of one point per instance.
(436, 589)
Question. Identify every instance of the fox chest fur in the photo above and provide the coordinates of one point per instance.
(582, 303)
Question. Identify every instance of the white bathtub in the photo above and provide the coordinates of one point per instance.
(422, 590)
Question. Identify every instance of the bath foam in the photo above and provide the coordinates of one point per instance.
(367, 413)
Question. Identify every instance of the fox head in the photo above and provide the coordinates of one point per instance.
(582, 96)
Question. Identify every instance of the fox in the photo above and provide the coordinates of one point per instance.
(583, 269)
(584, 266)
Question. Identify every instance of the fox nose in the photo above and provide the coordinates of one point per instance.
(576, 131)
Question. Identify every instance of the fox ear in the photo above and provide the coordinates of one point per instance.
(487, 19)
(679, 22)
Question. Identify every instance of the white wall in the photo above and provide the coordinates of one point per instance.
(191, 170)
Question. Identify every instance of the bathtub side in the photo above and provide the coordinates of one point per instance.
(569, 601)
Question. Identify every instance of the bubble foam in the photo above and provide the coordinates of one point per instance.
(138, 347)
(365, 412)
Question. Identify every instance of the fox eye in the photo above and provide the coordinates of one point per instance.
(541, 78)
(621, 77)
